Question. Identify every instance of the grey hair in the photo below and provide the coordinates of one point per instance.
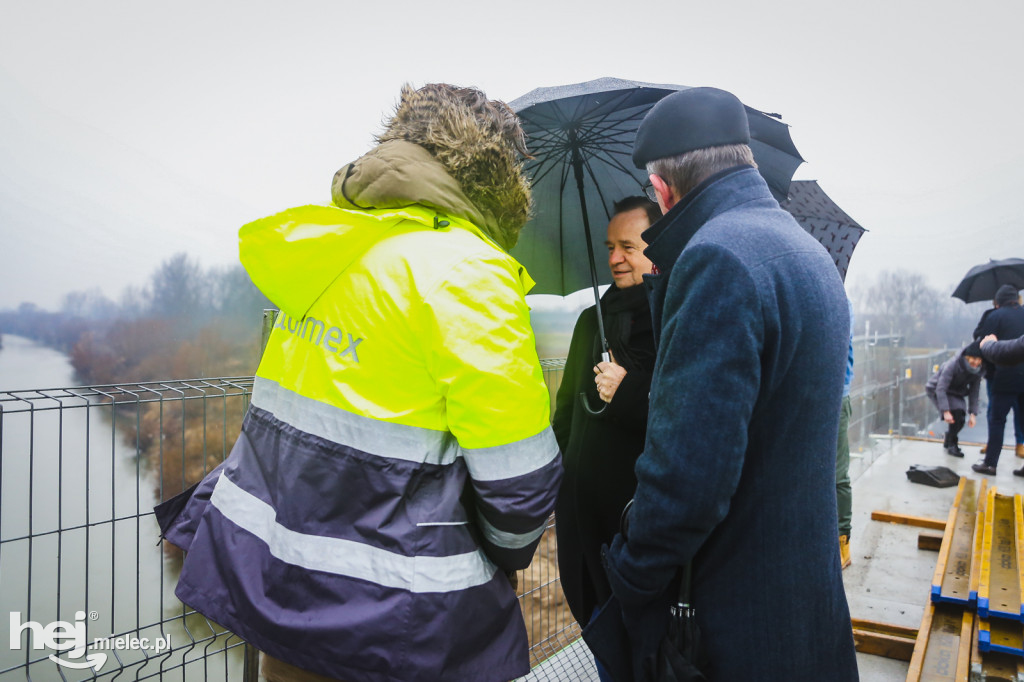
(685, 171)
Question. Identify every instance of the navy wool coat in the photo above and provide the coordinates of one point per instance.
(738, 470)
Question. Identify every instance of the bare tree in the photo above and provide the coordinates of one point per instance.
(176, 288)
(903, 302)
(90, 304)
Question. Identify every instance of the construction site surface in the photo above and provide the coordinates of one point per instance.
(935, 588)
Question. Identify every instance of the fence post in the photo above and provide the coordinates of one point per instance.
(893, 386)
(251, 667)
(269, 318)
(900, 379)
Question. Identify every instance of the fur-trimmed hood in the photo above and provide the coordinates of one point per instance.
(470, 167)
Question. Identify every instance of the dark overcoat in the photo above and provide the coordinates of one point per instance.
(599, 450)
(1009, 352)
(738, 471)
(1006, 322)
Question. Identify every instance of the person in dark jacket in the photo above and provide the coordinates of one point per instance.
(1010, 352)
(954, 390)
(601, 412)
(989, 369)
(1006, 322)
(737, 476)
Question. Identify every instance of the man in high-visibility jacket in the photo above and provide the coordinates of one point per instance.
(397, 460)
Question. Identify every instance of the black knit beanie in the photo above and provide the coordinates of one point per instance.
(1006, 295)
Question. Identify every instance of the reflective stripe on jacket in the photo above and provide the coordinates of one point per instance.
(396, 454)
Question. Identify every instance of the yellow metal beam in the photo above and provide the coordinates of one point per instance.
(952, 578)
(999, 587)
(1004, 636)
(994, 666)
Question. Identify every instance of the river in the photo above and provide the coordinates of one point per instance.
(76, 534)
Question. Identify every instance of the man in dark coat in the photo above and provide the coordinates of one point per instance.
(600, 441)
(738, 471)
(1006, 322)
(1005, 292)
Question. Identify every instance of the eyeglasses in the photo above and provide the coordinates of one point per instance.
(651, 194)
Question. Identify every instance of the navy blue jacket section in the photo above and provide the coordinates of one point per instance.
(738, 470)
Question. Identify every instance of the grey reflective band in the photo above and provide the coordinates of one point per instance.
(513, 459)
(508, 540)
(372, 436)
(418, 574)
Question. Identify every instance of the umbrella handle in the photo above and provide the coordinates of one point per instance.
(588, 409)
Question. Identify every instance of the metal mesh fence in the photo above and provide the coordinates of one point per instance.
(81, 469)
(80, 472)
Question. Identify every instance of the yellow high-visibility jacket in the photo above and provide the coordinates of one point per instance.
(396, 458)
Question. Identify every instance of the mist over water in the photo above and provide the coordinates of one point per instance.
(75, 523)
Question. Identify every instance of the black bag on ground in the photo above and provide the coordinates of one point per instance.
(937, 477)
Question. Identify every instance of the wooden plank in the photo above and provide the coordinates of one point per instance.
(907, 519)
(1018, 538)
(985, 574)
(929, 541)
(967, 640)
(883, 639)
(921, 644)
(979, 534)
(942, 652)
(883, 628)
(887, 646)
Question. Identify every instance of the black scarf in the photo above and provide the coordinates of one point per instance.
(626, 313)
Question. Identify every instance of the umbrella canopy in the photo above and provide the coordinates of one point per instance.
(981, 282)
(581, 136)
(822, 217)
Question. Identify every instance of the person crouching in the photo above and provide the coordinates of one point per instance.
(954, 390)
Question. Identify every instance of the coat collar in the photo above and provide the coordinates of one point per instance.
(668, 237)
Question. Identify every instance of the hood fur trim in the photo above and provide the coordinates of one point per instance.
(478, 141)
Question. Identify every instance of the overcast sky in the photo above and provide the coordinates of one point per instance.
(131, 129)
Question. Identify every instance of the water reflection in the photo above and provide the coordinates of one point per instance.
(77, 533)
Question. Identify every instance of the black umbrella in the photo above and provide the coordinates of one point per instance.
(829, 224)
(581, 137)
(981, 282)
